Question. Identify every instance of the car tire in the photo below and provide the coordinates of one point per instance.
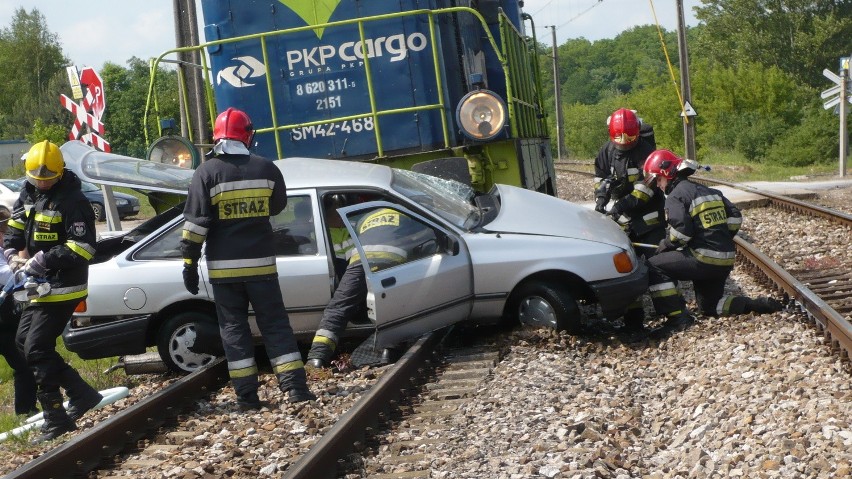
(175, 338)
(100, 213)
(541, 303)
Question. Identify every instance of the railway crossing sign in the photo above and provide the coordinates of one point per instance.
(88, 112)
(835, 90)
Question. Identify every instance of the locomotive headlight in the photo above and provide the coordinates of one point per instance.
(481, 114)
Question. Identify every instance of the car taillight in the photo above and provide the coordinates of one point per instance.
(622, 262)
(81, 307)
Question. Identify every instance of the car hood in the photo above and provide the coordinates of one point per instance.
(528, 212)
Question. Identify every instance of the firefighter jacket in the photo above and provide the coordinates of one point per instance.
(390, 238)
(231, 198)
(703, 221)
(60, 222)
(342, 242)
(640, 207)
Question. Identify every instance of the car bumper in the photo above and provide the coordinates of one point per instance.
(614, 295)
(129, 210)
(105, 340)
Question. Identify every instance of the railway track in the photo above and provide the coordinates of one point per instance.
(825, 294)
(391, 430)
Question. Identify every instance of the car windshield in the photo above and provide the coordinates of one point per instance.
(13, 185)
(86, 186)
(448, 199)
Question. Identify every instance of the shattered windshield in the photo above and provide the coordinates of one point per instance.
(448, 199)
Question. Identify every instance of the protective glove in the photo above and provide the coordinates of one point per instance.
(190, 277)
(36, 266)
(665, 245)
(600, 204)
(9, 253)
(614, 212)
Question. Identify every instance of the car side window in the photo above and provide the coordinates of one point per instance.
(167, 246)
(390, 238)
(294, 228)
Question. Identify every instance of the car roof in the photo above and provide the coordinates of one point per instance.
(315, 172)
(117, 170)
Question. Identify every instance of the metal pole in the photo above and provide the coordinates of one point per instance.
(186, 34)
(688, 124)
(560, 140)
(844, 137)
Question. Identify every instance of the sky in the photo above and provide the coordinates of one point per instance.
(97, 31)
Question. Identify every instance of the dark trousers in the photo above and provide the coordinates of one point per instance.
(347, 302)
(41, 324)
(232, 304)
(668, 268)
(25, 385)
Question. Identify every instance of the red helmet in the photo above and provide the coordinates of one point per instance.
(624, 128)
(233, 124)
(661, 163)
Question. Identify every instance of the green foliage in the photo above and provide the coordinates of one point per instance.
(811, 142)
(41, 131)
(31, 59)
(799, 37)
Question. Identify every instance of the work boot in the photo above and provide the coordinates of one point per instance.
(81, 396)
(249, 401)
(56, 420)
(389, 355)
(315, 363)
(673, 324)
(763, 305)
(76, 409)
(633, 321)
(300, 394)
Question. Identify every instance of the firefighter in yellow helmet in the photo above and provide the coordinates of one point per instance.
(52, 238)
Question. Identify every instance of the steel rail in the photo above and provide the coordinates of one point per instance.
(321, 461)
(829, 320)
(83, 453)
(835, 216)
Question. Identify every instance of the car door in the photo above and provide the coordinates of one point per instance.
(430, 289)
(304, 268)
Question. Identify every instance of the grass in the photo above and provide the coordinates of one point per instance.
(93, 371)
(733, 167)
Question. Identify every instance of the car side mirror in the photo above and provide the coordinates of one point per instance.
(449, 245)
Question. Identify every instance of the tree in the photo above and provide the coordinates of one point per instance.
(126, 92)
(30, 58)
(800, 37)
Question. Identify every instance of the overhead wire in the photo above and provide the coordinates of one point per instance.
(669, 62)
(598, 2)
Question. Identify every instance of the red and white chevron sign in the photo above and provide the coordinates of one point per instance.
(89, 111)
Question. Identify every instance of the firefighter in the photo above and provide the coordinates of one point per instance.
(637, 207)
(341, 242)
(10, 317)
(388, 238)
(53, 229)
(231, 198)
(699, 246)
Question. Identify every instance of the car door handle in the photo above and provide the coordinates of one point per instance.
(388, 282)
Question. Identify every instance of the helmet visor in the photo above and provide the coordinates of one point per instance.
(42, 172)
(650, 179)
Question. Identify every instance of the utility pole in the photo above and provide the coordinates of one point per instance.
(189, 67)
(844, 136)
(688, 123)
(560, 141)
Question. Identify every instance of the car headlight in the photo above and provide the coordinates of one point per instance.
(121, 202)
(481, 114)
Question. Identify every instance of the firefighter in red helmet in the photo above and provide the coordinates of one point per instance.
(636, 207)
(231, 198)
(699, 246)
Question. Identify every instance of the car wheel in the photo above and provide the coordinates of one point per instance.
(100, 214)
(175, 338)
(540, 303)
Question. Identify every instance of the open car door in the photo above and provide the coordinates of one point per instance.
(431, 288)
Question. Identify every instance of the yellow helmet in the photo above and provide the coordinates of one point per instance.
(44, 161)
